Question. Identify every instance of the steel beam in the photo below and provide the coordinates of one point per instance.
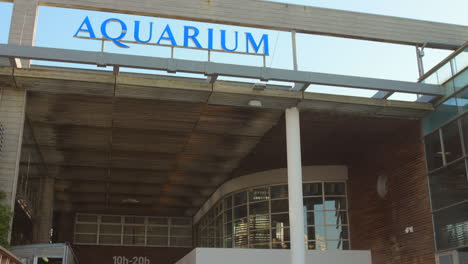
(211, 68)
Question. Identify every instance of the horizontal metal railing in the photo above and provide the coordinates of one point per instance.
(446, 62)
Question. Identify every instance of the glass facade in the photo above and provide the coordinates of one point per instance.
(133, 230)
(258, 218)
(446, 142)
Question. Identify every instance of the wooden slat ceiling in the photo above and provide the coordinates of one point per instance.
(168, 156)
(171, 156)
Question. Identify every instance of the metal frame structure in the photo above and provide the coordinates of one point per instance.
(301, 78)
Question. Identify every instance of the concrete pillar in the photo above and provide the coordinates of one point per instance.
(44, 216)
(296, 205)
(23, 25)
(12, 113)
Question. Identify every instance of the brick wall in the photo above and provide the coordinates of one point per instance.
(378, 224)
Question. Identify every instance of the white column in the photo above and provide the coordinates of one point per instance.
(296, 211)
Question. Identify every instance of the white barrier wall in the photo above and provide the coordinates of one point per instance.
(272, 256)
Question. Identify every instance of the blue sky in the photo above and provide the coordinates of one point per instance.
(56, 27)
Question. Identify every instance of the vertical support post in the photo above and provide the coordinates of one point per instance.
(296, 211)
(294, 49)
(419, 55)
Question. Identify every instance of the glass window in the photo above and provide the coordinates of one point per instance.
(111, 219)
(451, 227)
(157, 241)
(85, 239)
(335, 188)
(228, 202)
(240, 198)
(449, 185)
(279, 191)
(259, 194)
(158, 221)
(433, 151)
(261, 218)
(181, 221)
(110, 229)
(279, 220)
(158, 231)
(279, 206)
(134, 220)
(134, 230)
(181, 231)
(452, 141)
(464, 125)
(259, 236)
(313, 203)
(315, 218)
(443, 113)
(259, 221)
(259, 208)
(109, 239)
(335, 203)
(134, 240)
(280, 235)
(309, 189)
(240, 211)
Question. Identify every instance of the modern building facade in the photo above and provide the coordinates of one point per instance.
(128, 166)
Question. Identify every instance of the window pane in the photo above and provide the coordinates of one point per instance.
(111, 219)
(315, 218)
(228, 215)
(259, 194)
(181, 241)
(228, 202)
(228, 229)
(110, 229)
(181, 231)
(335, 203)
(240, 227)
(449, 185)
(158, 221)
(316, 233)
(337, 232)
(109, 239)
(464, 122)
(240, 198)
(443, 113)
(259, 208)
(313, 203)
(240, 211)
(336, 217)
(259, 221)
(452, 141)
(433, 151)
(278, 206)
(279, 220)
(134, 220)
(86, 228)
(134, 240)
(279, 191)
(134, 230)
(260, 245)
(157, 241)
(451, 227)
(335, 188)
(280, 234)
(157, 231)
(259, 236)
(309, 189)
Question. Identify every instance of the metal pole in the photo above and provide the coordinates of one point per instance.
(294, 49)
(296, 211)
(419, 56)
